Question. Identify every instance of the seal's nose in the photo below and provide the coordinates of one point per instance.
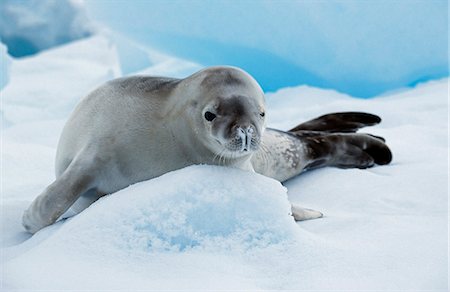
(245, 133)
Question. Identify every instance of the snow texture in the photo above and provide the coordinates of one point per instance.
(138, 59)
(5, 61)
(30, 26)
(362, 48)
(86, 64)
(211, 228)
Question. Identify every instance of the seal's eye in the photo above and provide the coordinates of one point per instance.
(262, 114)
(209, 116)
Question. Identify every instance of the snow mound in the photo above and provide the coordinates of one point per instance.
(197, 207)
(30, 26)
(187, 219)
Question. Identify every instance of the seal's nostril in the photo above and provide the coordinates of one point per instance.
(245, 137)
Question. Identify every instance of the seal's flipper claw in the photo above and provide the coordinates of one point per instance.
(377, 137)
(346, 122)
(301, 214)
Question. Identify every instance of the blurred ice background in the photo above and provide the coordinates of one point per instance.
(362, 48)
(30, 26)
(384, 228)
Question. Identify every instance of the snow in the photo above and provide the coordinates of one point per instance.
(363, 48)
(5, 61)
(138, 59)
(30, 26)
(232, 212)
(212, 228)
(96, 58)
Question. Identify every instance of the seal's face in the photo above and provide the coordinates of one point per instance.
(230, 110)
(235, 123)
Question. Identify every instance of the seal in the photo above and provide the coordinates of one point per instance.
(136, 128)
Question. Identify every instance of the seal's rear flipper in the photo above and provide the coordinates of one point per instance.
(346, 150)
(345, 122)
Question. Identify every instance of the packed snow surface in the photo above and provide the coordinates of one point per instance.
(206, 227)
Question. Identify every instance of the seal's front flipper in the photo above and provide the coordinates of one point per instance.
(346, 122)
(301, 214)
(56, 198)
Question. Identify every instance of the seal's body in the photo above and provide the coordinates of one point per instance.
(136, 128)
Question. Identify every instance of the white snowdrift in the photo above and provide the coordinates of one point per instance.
(204, 211)
(384, 228)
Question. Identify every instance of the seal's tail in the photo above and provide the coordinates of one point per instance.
(345, 122)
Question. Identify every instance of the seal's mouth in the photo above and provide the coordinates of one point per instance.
(242, 145)
(240, 141)
(237, 146)
(245, 140)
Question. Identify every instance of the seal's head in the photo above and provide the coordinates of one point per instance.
(232, 111)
